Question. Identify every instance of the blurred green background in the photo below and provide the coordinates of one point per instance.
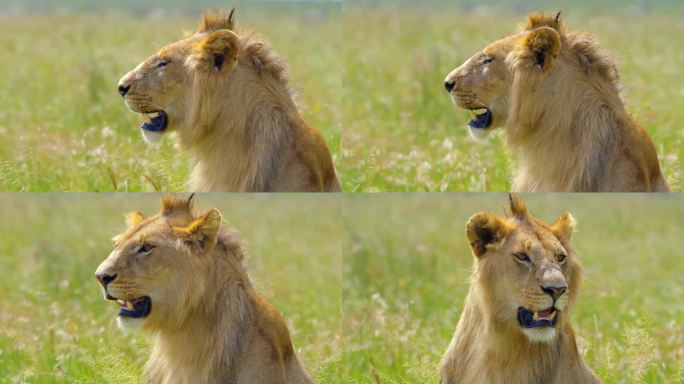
(407, 263)
(55, 327)
(64, 127)
(401, 131)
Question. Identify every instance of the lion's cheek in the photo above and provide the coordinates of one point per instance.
(499, 110)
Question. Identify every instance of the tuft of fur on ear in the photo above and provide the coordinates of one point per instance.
(484, 229)
(564, 227)
(541, 47)
(217, 52)
(176, 206)
(213, 21)
(133, 218)
(517, 207)
(540, 19)
(202, 230)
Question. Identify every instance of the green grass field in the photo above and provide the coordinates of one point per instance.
(401, 131)
(407, 262)
(55, 327)
(64, 127)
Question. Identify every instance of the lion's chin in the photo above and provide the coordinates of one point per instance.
(152, 138)
(129, 324)
(540, 335)
(479, 134)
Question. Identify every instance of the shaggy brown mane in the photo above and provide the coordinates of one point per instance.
(591, 57)
(259, 55)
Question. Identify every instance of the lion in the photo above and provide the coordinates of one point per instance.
(179, 276)
(514, 327)
(227, 98)
(557, 95)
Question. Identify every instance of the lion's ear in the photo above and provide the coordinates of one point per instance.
(134, 218)
(217, 52)
(484, 229)
(541, 47)
(203, 230)
(564, 227)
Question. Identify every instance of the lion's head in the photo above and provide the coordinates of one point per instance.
(159, 267)
(161, 87)
(528, 271)
(494, 81)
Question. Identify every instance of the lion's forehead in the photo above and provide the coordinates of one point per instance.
(149, 228)
(501, 46)
(537, 239)
(180, 47)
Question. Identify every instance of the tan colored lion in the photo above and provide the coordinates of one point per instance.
(180, 277)
(558, 98)
(514, 328)
(227, 98)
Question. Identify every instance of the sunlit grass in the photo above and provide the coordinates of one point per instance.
(406, 268)
(55, 326)
(401, 131)
(63, 126)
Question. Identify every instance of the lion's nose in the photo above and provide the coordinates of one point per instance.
(104, 279)
(449, 85)
(123, 89)
(554, 292)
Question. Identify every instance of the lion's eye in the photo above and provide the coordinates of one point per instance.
(145, 248)
(162, 63)
(522, 256)
(561, 257)
(487, 60)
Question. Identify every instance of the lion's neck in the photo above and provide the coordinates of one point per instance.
(239, 135)
(564, 143)
(208, 345)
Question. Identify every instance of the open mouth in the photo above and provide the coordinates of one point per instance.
(136, 308)
(482, 119)
(534, 319)
(154, 123)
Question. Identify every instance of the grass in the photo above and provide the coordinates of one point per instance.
(401, 131)
(406, 268)
(55, 326)
(64, 127)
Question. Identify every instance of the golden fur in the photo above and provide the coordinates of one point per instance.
(227, 98)
(557, 96)
(515, 259)
(208, 324)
